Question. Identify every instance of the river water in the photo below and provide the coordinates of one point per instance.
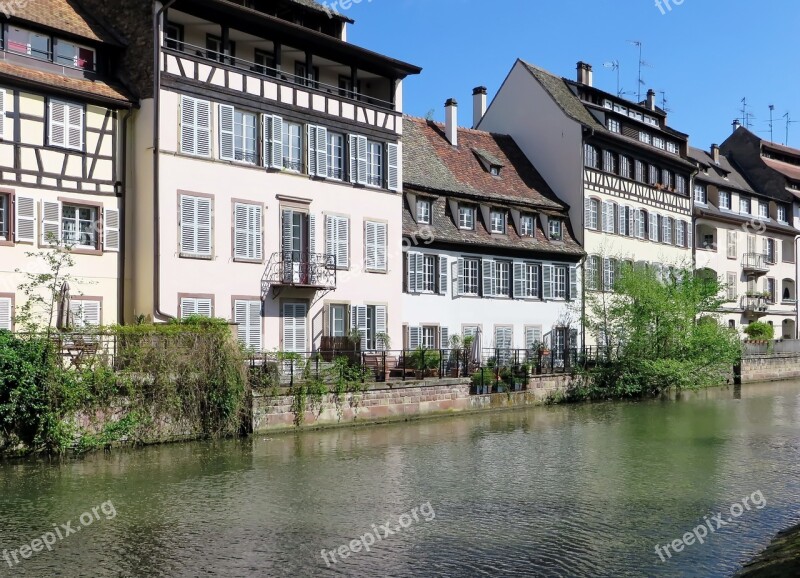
(586, 490)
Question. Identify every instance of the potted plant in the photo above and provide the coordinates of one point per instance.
(453, 363)
(543, 350)
(384, 342)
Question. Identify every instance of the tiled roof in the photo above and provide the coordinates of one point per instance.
(57, 81)
(436, 169)
(64, 15)
(325, 9)
(712, 212)
(786, 169)
(716, 173)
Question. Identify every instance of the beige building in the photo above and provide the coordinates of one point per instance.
(273, 197)
(61, 127)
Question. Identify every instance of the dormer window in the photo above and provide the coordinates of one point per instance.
(26, 42)
(526, 226)
(423, 212)
(494, 170)
(763, 210)
(489, 162)
(700, 195)
(466, 218)
(556, 230)
(44, 47)
(498, 222)
(70, 54)
(782, 214)
(725, 200)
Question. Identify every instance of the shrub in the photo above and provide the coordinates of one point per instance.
(758, 330)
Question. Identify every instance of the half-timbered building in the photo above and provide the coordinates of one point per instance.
(622, 170)
(273, 196)
(61, 179)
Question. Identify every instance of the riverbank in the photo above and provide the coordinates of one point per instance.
(781, 558)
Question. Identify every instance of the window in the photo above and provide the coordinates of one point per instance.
(640, 170)
(295, 327)
(302, 76)
(732, 250)
(530, 285)
(65, 128)
(85, 312)
(336, 156)
(337, 239)
(608, 216)
(503, 279)
(202, 306)
(337, 324)
(591, 159)
(216, 51)
(429, 337)
(782, 212)
(498, 222)
(503, 338)
(292, 146)
(79, 226)
(264, 62)
(591, 213)
(645, 137)
(195, 226)
(466, 218)
(725, 200)
(428, 274)
(527, 226)
(744, 205)
(666, 235)
(173, 36)
(27, 42)
(376, 325)
(375, 245)
(672, 147)
(346, 87)
(771, 253)
(654, 174)
(6, 313)
(69, 54)
(680, 184)
(237, 135)
(423, 212)
(769, 289)
(374, 164)
(247, 314)
(653, 227)
(247, 235)
(556, 233)
(613, 125)
(763, 210)
(640, 221)
(470, 276)
(609, 162)
(680, 233)
(625, 167)
(5, 215)
(609, 274)
(730, 288)
(658, 142)
(700, 194)
(195, 126)
(560, 282)
(593, 273)
(666, 179)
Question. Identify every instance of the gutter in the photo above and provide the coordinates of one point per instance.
(157, 12)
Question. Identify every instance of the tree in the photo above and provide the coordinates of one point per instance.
(660, 326)
(760, 331)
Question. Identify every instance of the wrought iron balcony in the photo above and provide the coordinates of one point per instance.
(755, 263)
(299, 270)
(757, 306)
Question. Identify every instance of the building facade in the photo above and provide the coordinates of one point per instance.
(624, 173)
(487, 243)
(770, 211)
(274, 194)
(61, 179)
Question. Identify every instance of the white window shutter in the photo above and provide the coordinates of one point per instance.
(359, 322)
(111, 230)
(411, 273)
(188, 136)
(653, 226)
(57, 129)
(322, 151)
(444, 338)
(256, 222)
(587, 212)
(51, 222)
(226, 132)
(547, 282)
(419, 270)
(488, 268)
(443, 275)
(273, 141)
(393, 153)
(25, 219)
(204, 307)
(573, 283)
(311, 133)
(371, 244)
(241, 232)
(188, 218)
(203, 128)
(254, 326)
(380, 246)
(337, 240)
(2, 113)
(519, 280)
(380, 324)
(312, 234)
(75, 117)
(353, 154)
(188, 307)
(533, 335)
(286, 232)
(361, 142)
(607, 274)
(6, 313)
(414, 337)
(631, 221)
(240, 317)
(460, 276)
(204, 226)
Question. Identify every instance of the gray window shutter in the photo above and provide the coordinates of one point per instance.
(519, 280)
(414, 337)
(587, 212)
(226, 130)
(111, 230)
(322, 152)
(311, 130)
(393, 154)
(419, 270)
(444, 338)
(547, 282)
(273, 141)
(286, 227)
(380, 324)
(443, 275)
(312, 234)
(460, 276)
(411, 273)
(573, 283)
(488, 271)
(353, 154)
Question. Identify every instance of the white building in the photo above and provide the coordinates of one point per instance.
(488, 244)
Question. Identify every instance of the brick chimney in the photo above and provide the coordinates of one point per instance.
(451, 121)
(478, 105)
(584, 73)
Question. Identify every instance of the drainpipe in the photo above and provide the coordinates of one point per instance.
(123, 228)
(157, 13)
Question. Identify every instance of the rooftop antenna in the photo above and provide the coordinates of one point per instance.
(746, 116)
(789, 121)
(664, 100)
(614, 65)
(638, 43)
(771, 108)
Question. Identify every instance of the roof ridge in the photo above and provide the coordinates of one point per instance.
(460, 128)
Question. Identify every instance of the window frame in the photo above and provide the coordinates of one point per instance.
(523, 221)
(463, 212)
(423, 217)
(376, 169)
(700, 195)
(93, 221)
(342, 160)
(472, 276)
(556, 234)
(497, 217)
(429, 273)
(289, 149)
(781, 208)
(727, 206)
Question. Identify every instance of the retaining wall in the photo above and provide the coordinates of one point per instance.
(773, 367)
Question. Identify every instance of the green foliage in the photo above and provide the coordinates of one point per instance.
(760, 331)
(484, 376)
(425, 359)
(658, 335)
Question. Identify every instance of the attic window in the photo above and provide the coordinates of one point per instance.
(494, 170)
(489, 162)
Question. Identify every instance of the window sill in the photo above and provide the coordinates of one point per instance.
(246, 261)
(6, 243)
(377, 271)
(85, 251)
(196, 257)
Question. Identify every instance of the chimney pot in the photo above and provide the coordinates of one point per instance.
(451, 121)
(736, 125)
(715, 153)
(651, 99)
(478, 105)
(584, 73)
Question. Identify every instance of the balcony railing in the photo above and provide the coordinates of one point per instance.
(253, 68)
(301, 270)
(754, 306)
(756, 262)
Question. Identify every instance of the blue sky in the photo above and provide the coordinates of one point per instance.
(706, 54)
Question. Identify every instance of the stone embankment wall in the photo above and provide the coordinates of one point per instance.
(775, 367)
(398, 402)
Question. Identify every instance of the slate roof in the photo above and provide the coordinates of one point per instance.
(433, 168)
(716, 173)
(317, 7)
(786, 169)
(57, 81)
(65, 16)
